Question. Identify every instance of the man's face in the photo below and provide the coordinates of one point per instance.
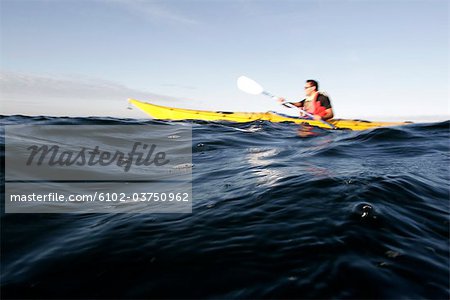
(309, 89)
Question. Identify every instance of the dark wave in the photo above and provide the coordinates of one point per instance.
(279, 211)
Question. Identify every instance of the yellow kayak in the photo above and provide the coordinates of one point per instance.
(169, 113)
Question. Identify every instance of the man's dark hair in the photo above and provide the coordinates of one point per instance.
(313, 83)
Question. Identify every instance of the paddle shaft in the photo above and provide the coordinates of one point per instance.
(298, 108)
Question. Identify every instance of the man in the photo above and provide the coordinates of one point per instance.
(317, 104)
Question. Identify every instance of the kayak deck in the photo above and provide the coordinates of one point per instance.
(169, 113)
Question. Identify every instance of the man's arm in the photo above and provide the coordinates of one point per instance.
(298, 104)
(328, 114)
(325, 102)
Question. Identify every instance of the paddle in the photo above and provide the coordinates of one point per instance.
(250, 86)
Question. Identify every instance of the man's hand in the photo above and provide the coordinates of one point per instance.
(317, 117)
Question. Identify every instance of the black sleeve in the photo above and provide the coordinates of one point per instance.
(324, 101)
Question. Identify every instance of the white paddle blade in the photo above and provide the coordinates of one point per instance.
(249, 86)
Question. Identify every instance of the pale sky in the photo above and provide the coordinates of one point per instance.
(376, 59)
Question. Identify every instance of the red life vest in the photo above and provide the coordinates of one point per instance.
(316, 107)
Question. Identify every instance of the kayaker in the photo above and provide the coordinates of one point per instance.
(315, 103)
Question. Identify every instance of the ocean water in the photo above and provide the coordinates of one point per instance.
(279, 211)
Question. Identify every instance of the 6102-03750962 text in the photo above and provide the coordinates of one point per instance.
(102, 197)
